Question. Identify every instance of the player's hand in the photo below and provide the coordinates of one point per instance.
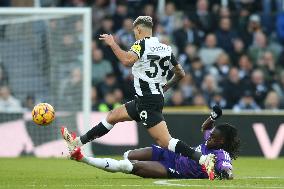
(107, 38)
(216, 112)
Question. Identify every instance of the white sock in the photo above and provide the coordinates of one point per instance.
(125, 155)
(172, 144)
(110, 165)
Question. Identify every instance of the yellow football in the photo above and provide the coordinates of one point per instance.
(43, 114)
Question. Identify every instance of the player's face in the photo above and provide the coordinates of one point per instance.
(215, 140)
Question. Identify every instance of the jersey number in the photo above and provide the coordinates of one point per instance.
(155, 58)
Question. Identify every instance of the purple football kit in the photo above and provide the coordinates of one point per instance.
(181, 167)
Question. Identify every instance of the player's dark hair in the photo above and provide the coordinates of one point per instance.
(232, 140)
(145, 21)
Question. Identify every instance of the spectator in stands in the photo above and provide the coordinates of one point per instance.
(259, 86)
(221, 67)
(109, 102)
(279, 87)
(177, 99)
(94, 98)
(280, 60)
(268, 65)
(187, 87)
(259, 47)
(109, 84)
(29, 102)
(202, 17)
(209, 87)
(246, 103)
(71, 91)
(200, 101)
(253, 27)
(118, 95)
(8, 103)
(100, 67)
(121, 13)
(209, 53)
(100, 9)
(198, 71)
(170, 18)
(272, 101)
(106, 27)
(3, 76)
(232, 87)
(238, 51)
(225, 35)
(125, 35)
(219, 100)
(159, 31)
(186, 58)
(245, 67)
(187, 35)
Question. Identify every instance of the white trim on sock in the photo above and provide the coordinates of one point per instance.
(106, 124)
(125, 155)
(172, 144)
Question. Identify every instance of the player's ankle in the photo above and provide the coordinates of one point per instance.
(78, 142)
(202, 159)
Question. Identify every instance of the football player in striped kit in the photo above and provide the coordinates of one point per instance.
(150, 61)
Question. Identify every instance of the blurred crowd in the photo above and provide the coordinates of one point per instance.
(231, 50)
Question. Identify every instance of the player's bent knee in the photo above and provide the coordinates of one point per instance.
(112, 117)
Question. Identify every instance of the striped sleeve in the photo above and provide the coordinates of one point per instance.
(138, 48)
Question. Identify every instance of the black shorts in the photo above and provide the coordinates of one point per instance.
(147, 109)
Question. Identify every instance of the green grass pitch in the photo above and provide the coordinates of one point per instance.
(62, 173)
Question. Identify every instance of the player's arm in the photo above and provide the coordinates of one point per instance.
(127, 58)
(208, 124)
(223, 166)
(178, 74)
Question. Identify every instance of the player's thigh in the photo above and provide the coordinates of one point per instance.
(160, 134)
(149, 169)
(118, 114)
(141, 154)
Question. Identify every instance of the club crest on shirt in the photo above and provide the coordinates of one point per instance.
(136, 48)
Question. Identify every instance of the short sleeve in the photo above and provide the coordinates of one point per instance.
(223, 161)
(138, 48)
(206, 134)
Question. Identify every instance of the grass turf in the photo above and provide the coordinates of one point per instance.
(61, 173)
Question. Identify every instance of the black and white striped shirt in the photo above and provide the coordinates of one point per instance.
(151, 70)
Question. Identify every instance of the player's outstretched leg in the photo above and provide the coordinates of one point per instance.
(106, 164)
(161, 135)
(116, 115)
(146, 169)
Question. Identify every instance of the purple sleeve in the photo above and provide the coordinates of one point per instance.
(223, 161)
(206, 134)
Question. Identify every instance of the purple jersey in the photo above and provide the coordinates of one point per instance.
(181, 167)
